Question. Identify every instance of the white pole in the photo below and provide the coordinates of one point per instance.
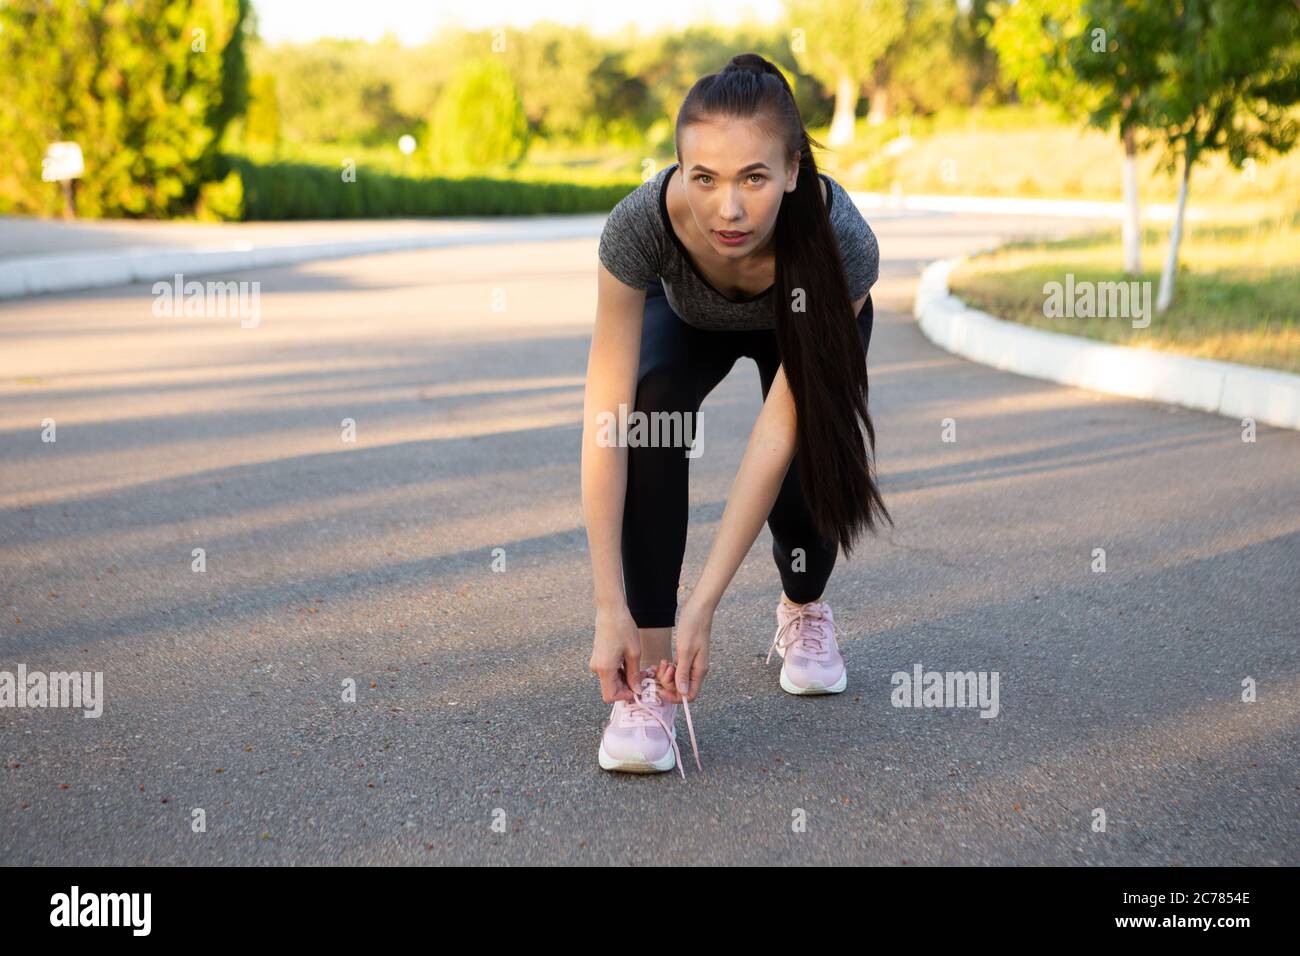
(1132, 231)
(1166, 294)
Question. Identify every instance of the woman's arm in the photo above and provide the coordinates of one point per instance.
(753, 493)
(611, 379)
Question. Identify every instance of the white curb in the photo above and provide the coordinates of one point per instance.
(74, 272)
(1222, 388)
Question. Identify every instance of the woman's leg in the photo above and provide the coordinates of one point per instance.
(679, 366)
(803, 557)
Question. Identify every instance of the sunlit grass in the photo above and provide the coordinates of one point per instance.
(1016, 151)
(1237, 298)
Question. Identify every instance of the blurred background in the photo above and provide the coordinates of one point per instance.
(234, 110)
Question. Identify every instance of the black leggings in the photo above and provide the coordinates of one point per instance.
(680, 364)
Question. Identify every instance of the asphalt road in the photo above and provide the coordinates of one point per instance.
(474, 731)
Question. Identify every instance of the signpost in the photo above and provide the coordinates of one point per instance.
(62, 164)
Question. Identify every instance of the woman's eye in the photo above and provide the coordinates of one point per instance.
(703, 176)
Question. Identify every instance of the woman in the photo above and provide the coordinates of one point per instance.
(740, 248)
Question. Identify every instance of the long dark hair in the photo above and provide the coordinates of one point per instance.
(821, 349)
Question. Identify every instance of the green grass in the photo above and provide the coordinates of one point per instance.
(1237, 297)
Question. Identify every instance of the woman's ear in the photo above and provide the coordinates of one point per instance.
(792, 180)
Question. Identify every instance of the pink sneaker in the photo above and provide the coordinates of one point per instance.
(805, 639)
(640, 737)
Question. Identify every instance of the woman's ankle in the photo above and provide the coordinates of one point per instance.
(788, 603)
(656, 645)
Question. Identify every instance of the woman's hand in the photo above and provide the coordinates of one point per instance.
(616, 652)
(683, 678)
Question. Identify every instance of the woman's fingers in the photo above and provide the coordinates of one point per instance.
(667, 673)
(608, 687)
(665, 677)
(699, 667)
(612, 686)
(681, 674)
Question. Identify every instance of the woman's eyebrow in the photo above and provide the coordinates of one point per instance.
(751, 166)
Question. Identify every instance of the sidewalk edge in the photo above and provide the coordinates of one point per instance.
(1222, 388)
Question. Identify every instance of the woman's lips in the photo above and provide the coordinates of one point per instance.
(730, 237)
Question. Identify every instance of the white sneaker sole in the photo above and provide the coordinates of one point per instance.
(816, 687)
(637, 763)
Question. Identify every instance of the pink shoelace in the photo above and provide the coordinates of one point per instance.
(645, 705)
(810, 640)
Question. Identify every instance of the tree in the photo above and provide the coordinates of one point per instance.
(1119, 63)
(1087, 58)
(233, 99)
(943, 58)
(840, 44)
(262, 124)
(479, 119)
(1229, 75)
(338, 91)
(145, 88)
(554, 66)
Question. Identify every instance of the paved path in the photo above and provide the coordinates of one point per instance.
(372, 562)
(21, 237)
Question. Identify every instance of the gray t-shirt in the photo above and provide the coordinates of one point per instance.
(638, 246)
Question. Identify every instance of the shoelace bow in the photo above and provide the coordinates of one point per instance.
(811, 640)
(646, 700)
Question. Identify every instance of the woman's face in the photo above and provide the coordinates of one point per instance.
(734, 176)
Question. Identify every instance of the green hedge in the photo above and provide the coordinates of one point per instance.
(305, 191)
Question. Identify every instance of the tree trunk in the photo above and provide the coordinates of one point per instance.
(1132, 221)
(846, 108)
(1166, 295)
(878, 112)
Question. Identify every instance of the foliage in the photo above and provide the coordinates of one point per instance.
(145, 88)
(479, 119)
